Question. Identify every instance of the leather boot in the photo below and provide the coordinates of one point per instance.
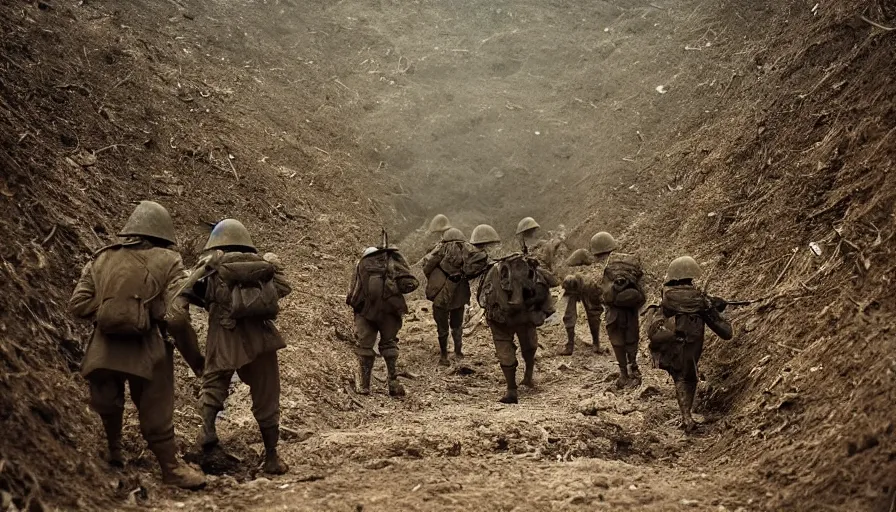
(208, 434)
(173, 472)
(272, 463)
(621, 359)
(528, 379)
(365, 364)
(623, 379)
(112, 425)
(510, 396)
(684, 404)
(443, 351)
(634, 375)
(458, 336)
(570, 346)
(395, 387)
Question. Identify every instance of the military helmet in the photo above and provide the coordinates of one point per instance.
(602, 243)
(484, 234)
(525, 225)
(453, 235)
(150, 218)
(579, 257)
(229, 232)
(684, 267)
(439, 224)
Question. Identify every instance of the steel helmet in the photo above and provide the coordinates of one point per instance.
(484, 234)
(453, 235)
(602, 243)
(579, 258)
(229, 232)
(370, 250)
(684, 267)
(150, 219)
(439, 224)
(527, 224)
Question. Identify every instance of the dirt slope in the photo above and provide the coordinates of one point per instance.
(317, 122)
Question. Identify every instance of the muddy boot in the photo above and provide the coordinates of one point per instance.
(634, 374)
(395, 387)
(685, 402)
(457, 335)
(623, 379)
(173, 472)
(208, 434)
(570, 346)
(112, 425)
(510, 396)
(365, 369)
(528, 379)
(443, 352)
(272, 463)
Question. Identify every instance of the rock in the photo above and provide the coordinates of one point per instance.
(626, 407)
(690, 503)
(591, 406)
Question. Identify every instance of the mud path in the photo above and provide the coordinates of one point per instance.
(574, 442)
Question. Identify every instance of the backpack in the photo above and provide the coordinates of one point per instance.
(493, 291)
(386, 277)
(463, 259)
(247, 284)
(623, 271)
(127, 295)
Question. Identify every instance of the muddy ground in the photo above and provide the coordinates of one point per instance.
(736, 133)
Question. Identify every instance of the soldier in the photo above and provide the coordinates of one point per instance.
(546, 250)
(448, 270)
(676, 330)
(439, 224)
(623, 296)
(241, 291)
(581, 287)
(124, 291)
(485, 238)
(382, 278)
(517, 299)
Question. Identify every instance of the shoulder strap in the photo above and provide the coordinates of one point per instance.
(145, 265)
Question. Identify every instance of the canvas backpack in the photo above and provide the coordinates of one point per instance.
(385, 277)
(247, 288)
(129, 290)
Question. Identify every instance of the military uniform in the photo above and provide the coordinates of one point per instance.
(676, 331)
(516, 304)
(452, 295)
(245, 346)
(143, 362)
(381, 278)
(584, 290)
(623, 301)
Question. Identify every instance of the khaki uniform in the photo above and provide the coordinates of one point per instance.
(676, 332)
(590, 297)
(145, 363)
(377, 298)
(623, 297)
(677, 348)
(448, 304)
(516, 311)
(247, 347)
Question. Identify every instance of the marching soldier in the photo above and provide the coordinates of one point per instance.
(382, 278)
(677, 330)
(125, 291)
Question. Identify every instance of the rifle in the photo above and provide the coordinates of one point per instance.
(385, 240)
(720, 304)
